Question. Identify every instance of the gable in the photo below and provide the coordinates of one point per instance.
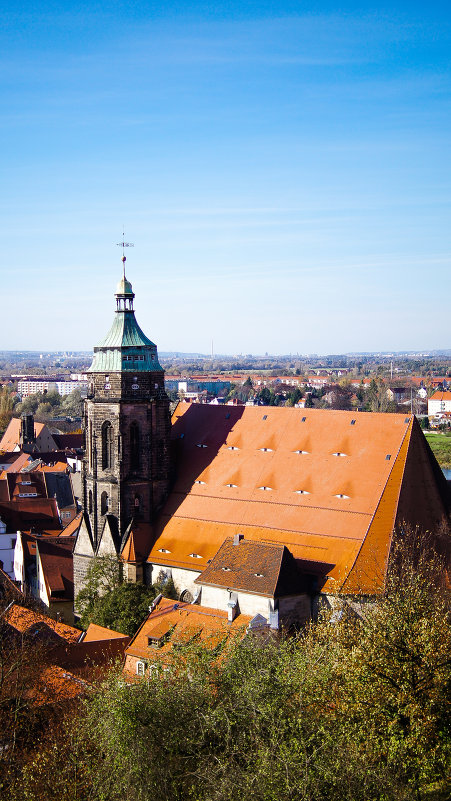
(84, 544)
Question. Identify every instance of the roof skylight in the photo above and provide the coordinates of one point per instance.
(302, 492)
(265, 488)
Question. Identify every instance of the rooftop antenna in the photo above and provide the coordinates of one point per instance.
(124, 245)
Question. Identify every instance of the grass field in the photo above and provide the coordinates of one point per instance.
(441, 447)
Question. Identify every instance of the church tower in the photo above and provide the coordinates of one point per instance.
(126, 467)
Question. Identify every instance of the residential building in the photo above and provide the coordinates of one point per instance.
(439, 403)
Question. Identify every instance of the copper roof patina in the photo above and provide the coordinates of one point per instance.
(125, 347)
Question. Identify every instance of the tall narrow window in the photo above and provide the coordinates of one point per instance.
(134, 446)
(136, 506)
(90, 502)
(90, 444)
(103, 503)
(107, 445)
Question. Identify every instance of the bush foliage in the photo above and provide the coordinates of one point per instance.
(355, 710)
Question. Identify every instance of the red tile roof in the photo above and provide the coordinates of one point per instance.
(323, 483)
(57, 566)
(24, 620)
(255, 567)
(183, 622)
(96, 633)
(11, 437)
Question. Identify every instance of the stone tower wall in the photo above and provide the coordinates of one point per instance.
(134, 488)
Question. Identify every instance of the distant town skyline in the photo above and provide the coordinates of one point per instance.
(283, 172)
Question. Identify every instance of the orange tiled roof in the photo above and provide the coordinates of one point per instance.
(56, 684)
(182, 622)
(23, 619)
(136, 546)
(11, 437)
(441, 396)
(57, 566)
(312, 480)
(72, 528)
(96, 633)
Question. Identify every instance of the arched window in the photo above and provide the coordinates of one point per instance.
(134, 447)
(90, 502)
(107, 445)
(104, 503)
(136, 506)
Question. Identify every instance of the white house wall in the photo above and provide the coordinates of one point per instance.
(183, 579)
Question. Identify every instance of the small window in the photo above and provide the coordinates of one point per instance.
(163, 550)
(302, 492)
(140, 668)
(181, 436)
(265, 417)
(388, 457)
(339, 453)
(265, 488)
(302, 452)
(226, 569)
(227, 417)
(303, 420)
(231, 485)
(153, 357)
(266, 450)
(232, 448)
(103, 503)
(353, 422)
(341, 495)
(259, 575)
(407, 420)
(200, 445)
(199, 481)
(195, 556)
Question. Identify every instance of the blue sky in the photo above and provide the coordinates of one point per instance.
(283, 169)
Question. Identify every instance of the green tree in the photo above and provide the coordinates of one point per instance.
(108, 600)
(6, 407)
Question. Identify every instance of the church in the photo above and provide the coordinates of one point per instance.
(259, 511)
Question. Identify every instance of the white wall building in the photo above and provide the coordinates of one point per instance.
(439, 403)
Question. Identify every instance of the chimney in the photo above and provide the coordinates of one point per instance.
(237, 538)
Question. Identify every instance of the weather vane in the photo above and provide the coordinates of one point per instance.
(124, 245)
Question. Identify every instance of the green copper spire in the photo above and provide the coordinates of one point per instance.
(125, 348)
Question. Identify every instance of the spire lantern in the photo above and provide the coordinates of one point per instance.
(124, 292)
